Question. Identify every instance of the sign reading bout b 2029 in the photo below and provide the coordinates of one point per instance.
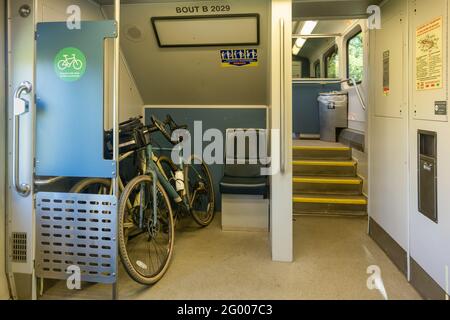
(70, 64)
(239, 58)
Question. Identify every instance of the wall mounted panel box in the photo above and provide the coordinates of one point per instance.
(427, 175)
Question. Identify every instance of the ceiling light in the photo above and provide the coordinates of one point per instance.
(308, 27)
(300, 42)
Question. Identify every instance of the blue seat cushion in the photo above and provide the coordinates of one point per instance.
(245, 185)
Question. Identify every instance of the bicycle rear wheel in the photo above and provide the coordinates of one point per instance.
(200, 192)
(146, 238)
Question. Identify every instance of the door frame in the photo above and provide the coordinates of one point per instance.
(280, 118)
(4, 294)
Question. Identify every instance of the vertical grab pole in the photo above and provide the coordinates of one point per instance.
(116, 120)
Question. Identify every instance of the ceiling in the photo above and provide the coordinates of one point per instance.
(301, 9)
(326, 9)
(191, 75)
(323, 27)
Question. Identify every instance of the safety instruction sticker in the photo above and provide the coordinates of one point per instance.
(429, 55)
(239, 58)
(386, 74)
(70, 64)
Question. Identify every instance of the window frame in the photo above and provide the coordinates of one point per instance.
(333, 49)
(315, 65)
(354, 34)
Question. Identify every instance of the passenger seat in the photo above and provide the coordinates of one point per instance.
(245, 192)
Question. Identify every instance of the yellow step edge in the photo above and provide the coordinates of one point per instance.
(324, 163)
(330, 200)
(327, 181)
(321, 148)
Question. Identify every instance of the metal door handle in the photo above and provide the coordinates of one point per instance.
(20, 107)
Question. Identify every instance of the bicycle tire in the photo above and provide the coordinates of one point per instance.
(83, 184)
(123, 238)
(210, 212)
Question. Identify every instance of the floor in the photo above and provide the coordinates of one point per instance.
(331, 260)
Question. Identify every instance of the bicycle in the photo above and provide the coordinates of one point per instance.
(182, 186)
(196, 176)
(70, 62)
(142, 243)
(188, 188)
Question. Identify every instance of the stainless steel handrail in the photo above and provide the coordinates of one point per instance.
(334, 81)
(48, 181)
(355, 85)
(22, 189)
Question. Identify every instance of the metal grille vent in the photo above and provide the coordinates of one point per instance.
(19, 247)
(76, 230)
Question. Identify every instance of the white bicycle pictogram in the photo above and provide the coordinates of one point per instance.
(70, 62)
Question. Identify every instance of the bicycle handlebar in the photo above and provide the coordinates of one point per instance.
(162, 127)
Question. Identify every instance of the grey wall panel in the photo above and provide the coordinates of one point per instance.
(305, 107)
(220, 119)
(393, 250)
(191, 76)
(424, 284)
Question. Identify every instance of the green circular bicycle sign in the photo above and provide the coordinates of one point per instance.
(70, 64)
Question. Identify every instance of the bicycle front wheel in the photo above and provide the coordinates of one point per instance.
(92, 186)
(146, 238)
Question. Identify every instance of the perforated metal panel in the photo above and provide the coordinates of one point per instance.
(76, 230)
(19, 247)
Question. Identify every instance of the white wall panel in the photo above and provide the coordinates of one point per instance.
(430, 241)
(388, 135)
(281, 229)
(390, 38)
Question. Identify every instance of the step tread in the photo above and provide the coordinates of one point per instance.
(330, 199)
(328, 180)
(321, 148)
(331, 163)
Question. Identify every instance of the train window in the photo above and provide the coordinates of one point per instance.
(355, 57)
(331, 60)
(317, 69)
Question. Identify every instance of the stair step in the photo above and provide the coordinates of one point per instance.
(324, 168)
(322, 153)
(327, 185)
(329, 204)
(327, 199)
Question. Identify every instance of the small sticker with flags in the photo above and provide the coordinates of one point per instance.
(239, 57)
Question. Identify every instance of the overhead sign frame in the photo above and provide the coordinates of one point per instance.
(177, 43)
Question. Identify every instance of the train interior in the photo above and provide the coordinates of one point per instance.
(343, 176)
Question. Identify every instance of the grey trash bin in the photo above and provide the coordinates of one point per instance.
(333, 114)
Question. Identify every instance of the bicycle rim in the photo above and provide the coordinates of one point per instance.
(200, 192)
(146, 244)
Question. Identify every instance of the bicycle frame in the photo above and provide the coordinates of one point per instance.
(166, 183)
(152, 168)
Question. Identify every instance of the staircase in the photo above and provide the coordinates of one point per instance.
(326, 182)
